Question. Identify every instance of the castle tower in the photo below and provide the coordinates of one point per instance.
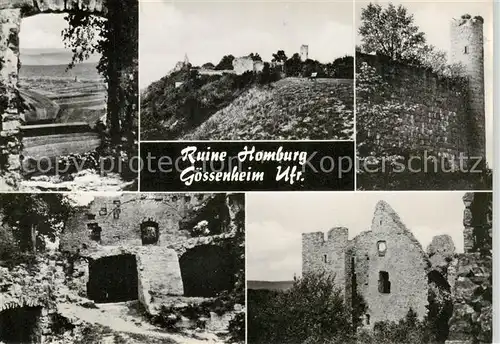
(467, 48)
(186, 59)
(304, 52)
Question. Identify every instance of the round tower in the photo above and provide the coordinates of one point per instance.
(467, 48)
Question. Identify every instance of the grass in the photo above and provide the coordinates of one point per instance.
(290, 109)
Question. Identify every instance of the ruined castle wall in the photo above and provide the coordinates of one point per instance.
(406, 265)
(243, 64)
(325, 255)
(472, 291)
(120, 222)
(431, 111)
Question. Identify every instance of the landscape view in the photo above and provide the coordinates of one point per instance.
(69, 132)
(293, 87)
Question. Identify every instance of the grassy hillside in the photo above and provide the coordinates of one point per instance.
(244, 107)
(290, 109)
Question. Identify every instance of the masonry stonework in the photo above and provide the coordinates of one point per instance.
(467, 48)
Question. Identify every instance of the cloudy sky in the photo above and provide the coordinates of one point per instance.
(434, 20)
(206, 31)
(42, 31)
(41, 42)
(275, 222)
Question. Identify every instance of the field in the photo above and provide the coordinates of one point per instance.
(53, 94)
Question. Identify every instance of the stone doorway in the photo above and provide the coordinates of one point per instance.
(20, 325)
(113, 279)
(206, 271)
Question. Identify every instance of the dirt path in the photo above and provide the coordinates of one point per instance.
(118, 317)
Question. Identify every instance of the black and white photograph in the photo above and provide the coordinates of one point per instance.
(370, 268)
(424, 95)
(246, 70)
(129, 268)
(69, 95)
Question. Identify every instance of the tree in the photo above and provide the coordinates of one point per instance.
(225, 63)
(280, 56)
(208, 65)
(311, 310)
(32, 217)
(255, 57)
(391, 32)
(293, 65)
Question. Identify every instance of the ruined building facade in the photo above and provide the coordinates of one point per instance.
(385, 265)
(153, 247)
(387, 270)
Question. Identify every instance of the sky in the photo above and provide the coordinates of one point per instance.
(207, 31)
(41, 42)
(434, 19)
(276, 221)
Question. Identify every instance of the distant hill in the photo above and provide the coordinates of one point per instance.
(40, 57)
(269, 285)
(84, 71)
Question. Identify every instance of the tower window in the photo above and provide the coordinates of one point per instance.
(384, 285)
(381, 248)
(325, 258)
(367, 319)
(466, 50)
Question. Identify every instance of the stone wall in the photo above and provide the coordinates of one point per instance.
(402, 258)
(472, 291)
(325, 255)
(120, 222)
(433, 113)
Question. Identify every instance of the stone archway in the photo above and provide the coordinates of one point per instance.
(207, 270)
(113, 279)
(11, 13)
(20, 325)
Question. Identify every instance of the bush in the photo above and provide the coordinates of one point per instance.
(312, 310)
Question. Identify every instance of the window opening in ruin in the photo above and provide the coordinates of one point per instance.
(325, 258)
(466, 50)
(113, 279)
(20, 325)
(95, 231)
(150, 232)
(367, 319)
(116, 213)
(207, 270)
(384, 285)
(381, 248)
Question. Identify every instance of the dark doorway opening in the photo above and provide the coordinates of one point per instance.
(207, 270)
(19, 325)
(113, 279)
